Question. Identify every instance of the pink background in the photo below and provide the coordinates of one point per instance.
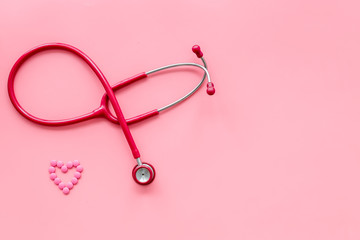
(273, 155)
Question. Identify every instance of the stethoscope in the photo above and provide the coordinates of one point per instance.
(143, 173)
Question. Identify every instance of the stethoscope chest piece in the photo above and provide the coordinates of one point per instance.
(143, 174)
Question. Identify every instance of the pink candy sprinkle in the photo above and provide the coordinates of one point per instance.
(69, 164)
(79, 168)
(53, 163)
(77, 175)
(51, 169)
(64, 169)
(61, 185)
(52, 176)
(57, 181)
(74, 180)
(69, 185)
(59, 164)
(66, 190)
(76, 163)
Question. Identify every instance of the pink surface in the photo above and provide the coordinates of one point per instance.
(274, 154)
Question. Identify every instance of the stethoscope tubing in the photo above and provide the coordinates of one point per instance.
(97, 71)
(103, 109)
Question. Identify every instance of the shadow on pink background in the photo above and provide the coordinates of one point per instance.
(274, 154)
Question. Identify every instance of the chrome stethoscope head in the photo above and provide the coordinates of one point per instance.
(144, 173)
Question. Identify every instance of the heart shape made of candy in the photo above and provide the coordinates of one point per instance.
(65, 187)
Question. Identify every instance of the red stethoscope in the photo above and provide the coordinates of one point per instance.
(143, 173)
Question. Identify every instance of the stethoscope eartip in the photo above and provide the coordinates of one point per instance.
(197, 50)
(143, 174)
(210, 88)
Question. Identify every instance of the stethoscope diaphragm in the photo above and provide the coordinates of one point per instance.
(143, 174)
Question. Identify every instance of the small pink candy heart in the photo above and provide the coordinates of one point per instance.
(65, 188)
(79, 168)
(69, 185)
(51, 169)
(74, 180)
(69, 165)
(64, 169)
(57, 181)
(77, 175)
(53, 176)
(61, 185)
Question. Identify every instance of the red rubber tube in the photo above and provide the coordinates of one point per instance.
(128, 81)
(99, 74)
